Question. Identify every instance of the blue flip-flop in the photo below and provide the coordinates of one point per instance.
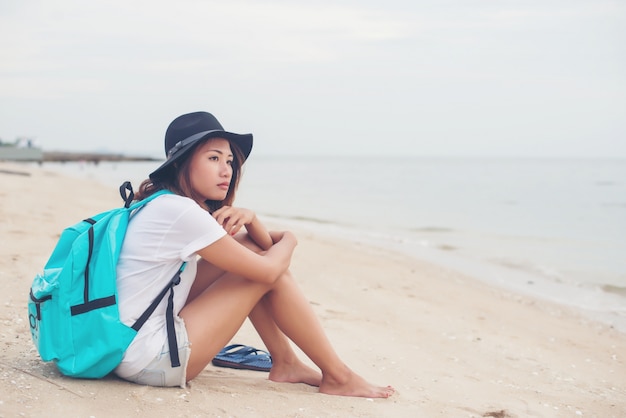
(238, 356)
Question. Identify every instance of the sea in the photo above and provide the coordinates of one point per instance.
(546, 227)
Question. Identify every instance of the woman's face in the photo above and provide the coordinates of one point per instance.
(211, 169)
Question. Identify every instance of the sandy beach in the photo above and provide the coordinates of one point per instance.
(451, 345)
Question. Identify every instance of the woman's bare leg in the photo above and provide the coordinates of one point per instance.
(230, 299)
(286, 366)
(213, 317)
(296, 318)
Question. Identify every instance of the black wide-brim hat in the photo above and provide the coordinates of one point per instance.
(186, 131)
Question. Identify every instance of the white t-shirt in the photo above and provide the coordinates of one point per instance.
(160, 236)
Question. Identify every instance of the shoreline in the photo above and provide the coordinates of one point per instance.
(449, 343)
(596, 304)
(453, 249)
(450, 248)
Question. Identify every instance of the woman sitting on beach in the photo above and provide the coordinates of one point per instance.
(239, 273)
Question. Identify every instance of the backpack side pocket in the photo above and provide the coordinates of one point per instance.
(41, 316)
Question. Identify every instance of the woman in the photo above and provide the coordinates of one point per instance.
(238, 273)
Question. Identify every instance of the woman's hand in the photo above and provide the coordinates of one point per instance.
(232, 219)
(280, 235)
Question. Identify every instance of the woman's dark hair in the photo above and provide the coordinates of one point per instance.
(179, 181)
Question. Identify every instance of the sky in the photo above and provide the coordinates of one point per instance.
(529, 78)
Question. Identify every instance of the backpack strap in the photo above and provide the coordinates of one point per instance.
(126, 191)
(140, 203)
(127, 194)
(169, 315)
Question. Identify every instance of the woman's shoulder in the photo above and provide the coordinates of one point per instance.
(173, 201)
(180, 210)
(173, 197)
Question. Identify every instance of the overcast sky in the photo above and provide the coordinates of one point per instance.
(436, 77)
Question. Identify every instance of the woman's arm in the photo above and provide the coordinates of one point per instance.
(232, 219)
(228, 254)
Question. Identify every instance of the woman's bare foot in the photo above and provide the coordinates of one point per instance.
(296, 372)
(353, 385)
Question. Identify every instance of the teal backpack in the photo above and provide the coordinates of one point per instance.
(72, 309)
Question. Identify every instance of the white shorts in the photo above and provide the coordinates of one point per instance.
(160, 371)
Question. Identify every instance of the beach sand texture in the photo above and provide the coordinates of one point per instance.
(451, 345)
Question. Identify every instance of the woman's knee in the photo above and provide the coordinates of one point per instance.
(284, 279)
